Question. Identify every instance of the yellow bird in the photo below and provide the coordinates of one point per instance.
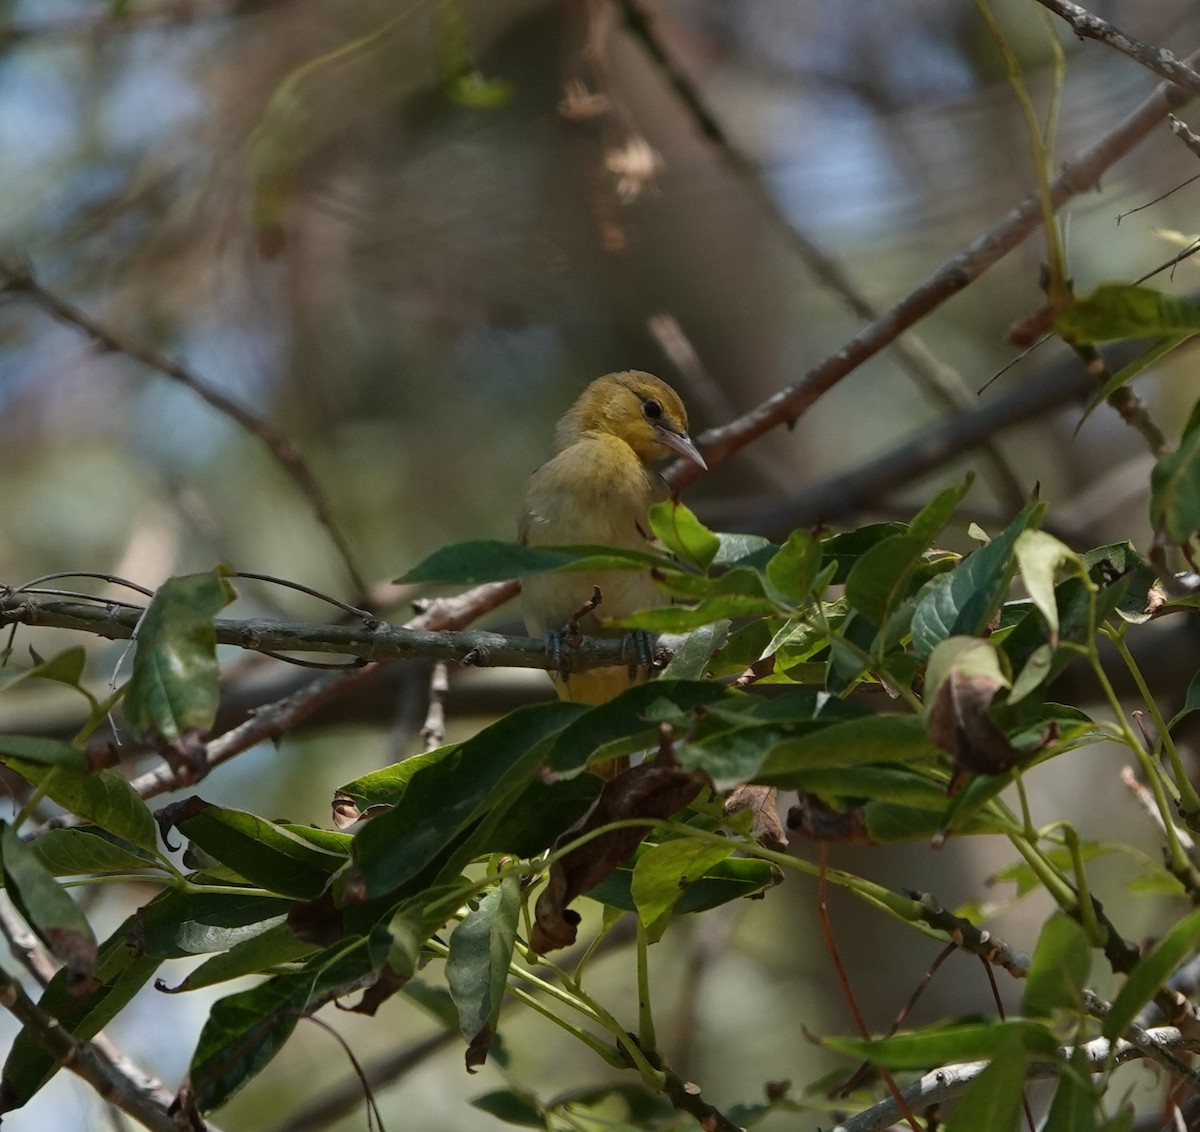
(596, 488)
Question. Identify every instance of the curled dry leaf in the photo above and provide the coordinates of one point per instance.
(654, 791)
(186, 755)
(762, 802)
(169, 817)
(374, 996)
(959, 722)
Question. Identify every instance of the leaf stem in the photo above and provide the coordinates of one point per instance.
(1188, 797)
(646, 1036)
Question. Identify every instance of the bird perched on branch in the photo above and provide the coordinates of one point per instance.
(596, 488)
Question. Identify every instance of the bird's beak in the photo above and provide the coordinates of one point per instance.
(679, 442)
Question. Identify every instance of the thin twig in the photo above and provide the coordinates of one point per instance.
(17, 279)
(953, 275)
(1186, 135)
(277, 718)
(474, 647)
(931, 374)
(347, 1096)
(1162, 62)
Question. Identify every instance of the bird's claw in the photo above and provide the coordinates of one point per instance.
(556, 650)
(637, 650)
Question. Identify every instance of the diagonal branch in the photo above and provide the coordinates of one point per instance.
(929, 372)
(1162, 62)
(81, 1058)
(953, 275)
(17, 279)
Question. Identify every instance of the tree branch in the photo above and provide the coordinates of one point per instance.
(930, 374)
(81, 1058)
(953, 275)
(17, 279)
(472, 647)
(1157, 59)
(953, 1080)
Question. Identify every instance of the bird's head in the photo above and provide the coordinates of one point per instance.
(636, 407)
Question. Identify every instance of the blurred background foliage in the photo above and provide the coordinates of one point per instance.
(407, 233)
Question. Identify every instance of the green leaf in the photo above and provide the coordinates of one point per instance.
(844, 550)
(1151, 973)
(734, 878)
(630, 722)
(65, 667)
(87, 850)
(969, 1041)
(176, 924)
(386, 786)
(173, 691)
(513, 1107)
(1127, 373)
(105, 799)
(445, 798)
(686, 618)
(996, 1097)
(45, 905)
(694, 652)
(1060, 967)
(1073, 1108)
(873, 738)
(473, 563)
(537, 816)
(47, 752)
(1039, 558)
(1175, 491)
(664, 872)
(678, 529)
(886, 823)
(1122, 310)
(481, 949)
(121, 971)
(880, 577)
(744, 549)
(965, 600)
(258, 850)
(275, 946)
(244, 1031)
(792, 571)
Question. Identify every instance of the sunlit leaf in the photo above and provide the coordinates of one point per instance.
(964, 601)
(664, 872)
(473, 563)
(1123, 310)
(173, 690)
(970, 1041)
(677, 528)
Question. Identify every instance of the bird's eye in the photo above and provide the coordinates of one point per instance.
(653, 410)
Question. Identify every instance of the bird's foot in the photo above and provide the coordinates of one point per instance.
(558, 645)
(637, 650)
